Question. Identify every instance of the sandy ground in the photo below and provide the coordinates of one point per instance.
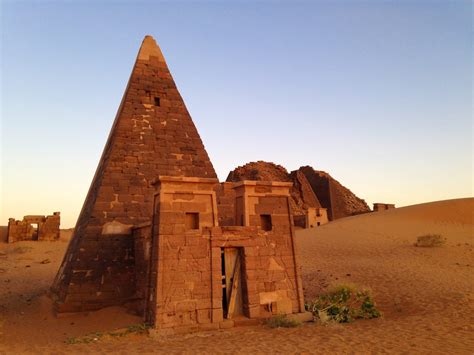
(426, 294)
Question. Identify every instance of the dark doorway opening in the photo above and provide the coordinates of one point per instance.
(34, 231)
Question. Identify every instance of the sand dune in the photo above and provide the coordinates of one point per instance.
(426, 294)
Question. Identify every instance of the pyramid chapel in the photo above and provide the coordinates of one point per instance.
(161, 236)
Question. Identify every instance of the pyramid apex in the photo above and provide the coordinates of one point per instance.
(150, 48)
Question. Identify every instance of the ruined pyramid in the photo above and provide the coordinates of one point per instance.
(152, 135)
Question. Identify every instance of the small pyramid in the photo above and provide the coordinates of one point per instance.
(152, 135)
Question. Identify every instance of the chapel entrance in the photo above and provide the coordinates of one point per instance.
(232, 297)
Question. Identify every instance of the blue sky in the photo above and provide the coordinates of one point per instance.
(377, 93)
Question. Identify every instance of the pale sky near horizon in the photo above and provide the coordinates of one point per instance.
(376, 93)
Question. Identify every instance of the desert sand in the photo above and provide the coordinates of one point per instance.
(426, 294)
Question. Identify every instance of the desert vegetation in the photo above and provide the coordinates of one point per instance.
(344, 303)
(141, 328)
(430, 240)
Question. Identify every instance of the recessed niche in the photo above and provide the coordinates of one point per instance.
(192, 220)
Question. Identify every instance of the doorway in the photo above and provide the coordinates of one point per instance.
(34, 230)
(232, 297)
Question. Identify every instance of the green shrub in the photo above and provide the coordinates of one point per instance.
(282, 321)
(430, 240)
(343, 304)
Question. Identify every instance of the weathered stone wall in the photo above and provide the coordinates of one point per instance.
(142, 256)
(383, 206)
(225, 195)
(152, 135)
(180, 289)
(47, 228)
(316, 217)
(18, 230)
(186, 269)
(272, 275)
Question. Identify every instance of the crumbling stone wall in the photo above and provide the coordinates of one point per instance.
(316, 217)
(153, 134)
(225, 195)
(47, 228)
(383, 206)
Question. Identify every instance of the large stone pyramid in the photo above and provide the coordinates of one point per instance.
(153, 134)
(337, 199)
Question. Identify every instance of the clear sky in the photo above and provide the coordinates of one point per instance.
(377, 93)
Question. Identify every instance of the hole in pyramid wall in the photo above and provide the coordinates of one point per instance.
(157, 101)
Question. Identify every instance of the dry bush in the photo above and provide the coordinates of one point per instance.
(430, 240)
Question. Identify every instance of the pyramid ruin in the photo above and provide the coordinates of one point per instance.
(159, 234)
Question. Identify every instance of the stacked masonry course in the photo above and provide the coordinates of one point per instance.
(47, 228)
(159, 234)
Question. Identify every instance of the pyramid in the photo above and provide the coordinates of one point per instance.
(337, 199)
(152, 135)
